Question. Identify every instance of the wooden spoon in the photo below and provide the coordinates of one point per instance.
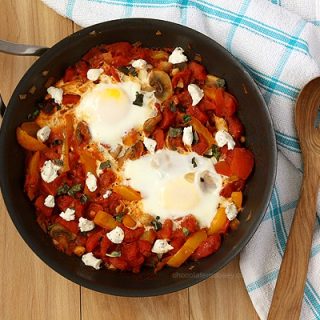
(287, 297)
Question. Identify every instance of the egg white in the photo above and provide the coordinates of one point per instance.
(108, 109)
(172, 185)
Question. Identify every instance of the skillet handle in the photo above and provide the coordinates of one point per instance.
(19, 50)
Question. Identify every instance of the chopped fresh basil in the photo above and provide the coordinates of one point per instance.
(119, 217)
(213, 152)
(174, 132)
(33, 115)
(139, 99)
(63, 189)
(128, 70)
(194, 163)
(172, 107)
(84, 199)
(105, 164)
(114, 254)
(186, 118)
(181, 107)
(58, 162)
(156, 224)
(185, 231)
(157, 218)
(221, 83)
(74, 189)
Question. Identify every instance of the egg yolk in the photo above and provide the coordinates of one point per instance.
(180, 195)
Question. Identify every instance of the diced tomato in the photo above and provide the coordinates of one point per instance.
(235, 127)
(52, 187)
(79, 208)
(119, 48)
(230, 104)
(190, 222)
(241, 163)
(237, 185)
(184, 76)
(105, 244)
(39, 204)
(206, 105)
(197, 113)
(222, 167)
(93, 240)
(106, 179)
(69, 225)
(91, 53)
(158, 135)
(119, 61)
(132, 235)
(177, 241)
(168, 118)
(166, 230)
(70, 99)
(130, 251)
(198, 71)
(64, 202)
(82, 69)
(185, 99)
(69, 75)
(145, 247)
(207, 247)
(93, 209)
(201, 146)
(119, 263)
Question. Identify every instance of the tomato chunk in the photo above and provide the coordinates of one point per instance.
(207, 247)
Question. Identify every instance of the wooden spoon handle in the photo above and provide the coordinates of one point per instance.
(287, 297)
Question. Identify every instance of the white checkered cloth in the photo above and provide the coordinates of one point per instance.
(278, 42)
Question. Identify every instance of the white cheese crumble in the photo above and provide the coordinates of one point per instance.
(43, 133)
(177, 56)
(91, 182)
(56, 94)
(107, 194)
(89, 260)
(94, 74)
(196, 93)
(161, 246)
(150, 144)
(187, 137)
(68, 215)
(224, 138)
(49, 171)
(231, 211)
(139, 64)
(85, 224)
(116, 235)
(49, 201)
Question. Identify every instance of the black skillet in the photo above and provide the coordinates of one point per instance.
(252, 111)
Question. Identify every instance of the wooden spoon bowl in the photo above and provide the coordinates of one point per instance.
(287, 297)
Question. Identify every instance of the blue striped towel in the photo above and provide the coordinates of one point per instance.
(278, 42)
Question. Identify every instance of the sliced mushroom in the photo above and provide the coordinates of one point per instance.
(161, 82)
(132, 153)
(83, 133)
(57, 230)
(150, 124)
(220, 123)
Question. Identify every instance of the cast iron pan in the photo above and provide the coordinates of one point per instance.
(253, 113)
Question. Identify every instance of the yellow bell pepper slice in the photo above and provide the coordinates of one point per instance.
(68, 131)
(28, 142)
(127, 193)
(105, 220)
(128, 221)
(200, 128)
(237, 197)
(187, 249)
(218, 222)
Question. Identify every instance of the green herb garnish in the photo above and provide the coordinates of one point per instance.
(114, 254)
(156, 224)
(74, 189)
(58, 162)
(33, 115)
(172, 107)
(105, 164)
(220, 83)
(119, 217)
(128, 71)
(139, 99)
(84, 199)
(213, 152)
(185, 231)
(63, 189)
(194, 163)
(186, 118)
(174, 132)
(56, 142)
(181, 107)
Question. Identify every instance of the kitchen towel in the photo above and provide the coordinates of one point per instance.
(278, 42)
